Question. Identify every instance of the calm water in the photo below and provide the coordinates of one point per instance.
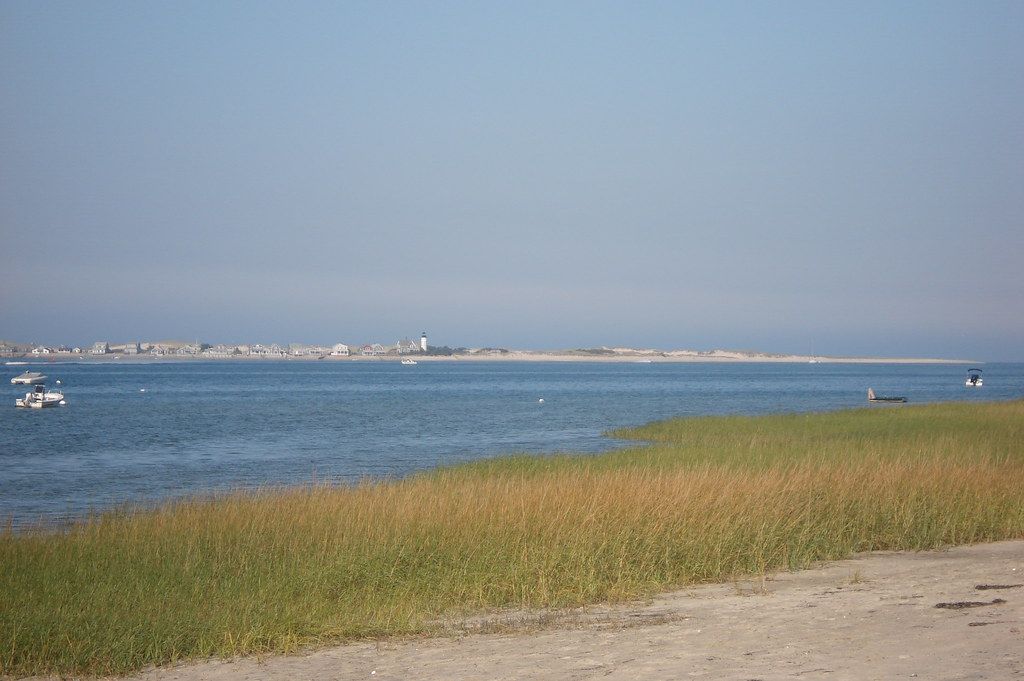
(204, 426)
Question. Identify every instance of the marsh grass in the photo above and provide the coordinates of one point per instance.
(708, 499)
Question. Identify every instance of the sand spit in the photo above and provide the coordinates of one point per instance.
(956, 614)
(678, 357)
(616, 356)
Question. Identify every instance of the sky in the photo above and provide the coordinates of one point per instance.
(806, 177)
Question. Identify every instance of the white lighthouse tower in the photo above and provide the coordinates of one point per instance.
(423, 342)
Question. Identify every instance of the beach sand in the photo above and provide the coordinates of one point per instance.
(872, 617)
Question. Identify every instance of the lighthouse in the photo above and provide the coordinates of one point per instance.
(423, 342)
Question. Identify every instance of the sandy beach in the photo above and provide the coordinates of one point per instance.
(954, 614)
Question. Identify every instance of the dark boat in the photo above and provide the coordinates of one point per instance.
(973, 378)
(876, 398)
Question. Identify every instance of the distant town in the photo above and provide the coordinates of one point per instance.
(407, 349)
(197, 349)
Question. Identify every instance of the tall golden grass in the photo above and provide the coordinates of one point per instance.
(704, 499)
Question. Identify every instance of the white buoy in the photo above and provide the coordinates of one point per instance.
(63, 402)
(58, 381)
(540, 401)
(142, 390)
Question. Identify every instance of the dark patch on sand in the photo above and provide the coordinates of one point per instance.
(959, 605)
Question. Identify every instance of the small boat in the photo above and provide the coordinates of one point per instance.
(877, 398)
(409, 361)
(29, 378)
(40, 397)
(973, 378)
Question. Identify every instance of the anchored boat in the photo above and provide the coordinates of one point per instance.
(973, 378)
(41, 397)
(879, 398)
(28, 378)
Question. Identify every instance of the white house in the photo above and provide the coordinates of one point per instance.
(272, 350)
(339, 350)
(220, 351)
(99, 348)
(300, 350)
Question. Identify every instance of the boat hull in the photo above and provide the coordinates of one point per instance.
(36, 404)
(872, 397)
(40, 400)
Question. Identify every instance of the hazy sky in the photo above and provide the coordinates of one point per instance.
(846, 178)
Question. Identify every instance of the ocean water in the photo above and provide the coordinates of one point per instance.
(142, 432)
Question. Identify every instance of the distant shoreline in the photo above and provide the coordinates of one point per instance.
(653, 357)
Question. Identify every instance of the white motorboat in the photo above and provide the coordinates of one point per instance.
(41, 397)
(29, 378)
(409, 361)
(973, 378)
